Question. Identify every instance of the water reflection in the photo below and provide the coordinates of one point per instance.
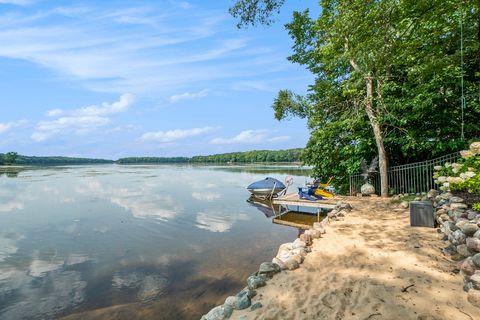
(150, 242)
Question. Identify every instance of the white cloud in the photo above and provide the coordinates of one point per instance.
(6, 126)
(189, 95)
(17, 2)
(247, 136)
(172, 135)
(152, 57)
(80, 121)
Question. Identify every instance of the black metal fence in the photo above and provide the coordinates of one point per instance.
(407, 178)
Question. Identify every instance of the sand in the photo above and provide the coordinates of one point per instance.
(370, 265)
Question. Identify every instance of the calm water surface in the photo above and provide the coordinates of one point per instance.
(130, 242)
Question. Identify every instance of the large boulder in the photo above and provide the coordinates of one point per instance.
(469, 229)
(222, 312)
(432, 194)
(456, 200)
(243, 301)
(467, 266)
(404, 204)
(476, 260)
(463, 250)
(458, 237)
(291, 264)
(474, 297)
(279, 263)
(268, 269)
(475, 280)
(454, 206)
(298, 244)
(473, 244)
(254, 282)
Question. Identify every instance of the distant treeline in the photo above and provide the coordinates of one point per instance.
(10, 158)
(290, 155)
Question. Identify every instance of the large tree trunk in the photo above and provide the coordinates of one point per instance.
(382, 154)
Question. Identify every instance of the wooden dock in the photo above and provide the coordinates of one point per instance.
(292, 199)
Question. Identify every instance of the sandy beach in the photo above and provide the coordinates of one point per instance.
(369, 265)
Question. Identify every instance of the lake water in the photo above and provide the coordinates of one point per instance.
(130, 242)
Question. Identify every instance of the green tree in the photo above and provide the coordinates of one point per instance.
(10, 158)
(391, 65)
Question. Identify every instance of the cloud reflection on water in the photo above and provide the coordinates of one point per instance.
(218, 221)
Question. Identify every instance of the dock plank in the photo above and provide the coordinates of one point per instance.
(293, 199)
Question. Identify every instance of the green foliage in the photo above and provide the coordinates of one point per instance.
(411, 51)
(463, 175)
(8, 158)
(291, 155)
(52, 161)
(476, 206)
(255, 12)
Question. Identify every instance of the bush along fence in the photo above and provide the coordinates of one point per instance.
(408, 178)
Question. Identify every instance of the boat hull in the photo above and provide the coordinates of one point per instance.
(266, 188)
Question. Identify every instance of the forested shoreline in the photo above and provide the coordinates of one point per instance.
(255, 156)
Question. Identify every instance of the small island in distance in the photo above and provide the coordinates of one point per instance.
(255, 156)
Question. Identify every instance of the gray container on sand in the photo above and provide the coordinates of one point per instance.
(421, 214)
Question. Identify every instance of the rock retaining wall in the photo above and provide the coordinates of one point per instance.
(459, 227)
(289, 257)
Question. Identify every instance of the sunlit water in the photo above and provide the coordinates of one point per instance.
(130, 242)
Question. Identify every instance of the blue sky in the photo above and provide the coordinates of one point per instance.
(162, 78)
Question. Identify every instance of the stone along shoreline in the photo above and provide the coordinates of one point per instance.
(369, 264)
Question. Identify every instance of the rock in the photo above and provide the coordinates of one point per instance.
(440, 211)
(315, 234)
(475, 280)
(432, 194)
(446, 195)
(474, 297)
(458, 237)
(444, 217)
(254, 282)
(467, 285)
(476, 260)
(219, 313)
(297, 258)
(395, 198)
(467, 266)
(404, 204)
(243, 301)
(291, 264)
(417, 199)
(454, 206)
(279, 263)
(298, 244)
(283, 254)
(471, 215)
(345, 206)
(300, 251)
(341, 214)
(307, 238)
(460, 224)
(231, 301)
(332, 214)
(269, 269)
(456, 200)
(473, 244)
(424, 198)
(286, 246)
(256, 306)
(463, 250)
(477, 234)
(469, 229)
